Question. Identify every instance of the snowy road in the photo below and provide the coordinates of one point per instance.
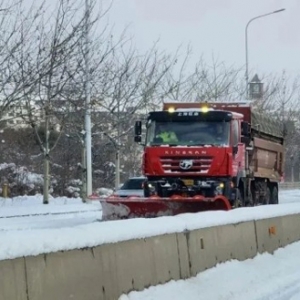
(49, 221)
(289, 196)
(26, 213)
(266, 277)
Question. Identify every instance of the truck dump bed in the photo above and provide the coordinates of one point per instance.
(266, 159)
(261, 124)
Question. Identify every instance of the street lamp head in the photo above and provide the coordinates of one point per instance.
(279, 10)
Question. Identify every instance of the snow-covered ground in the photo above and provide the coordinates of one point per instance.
(289, 196)
(27, 227)
(33, 205)
(28, 212)
(266, 277)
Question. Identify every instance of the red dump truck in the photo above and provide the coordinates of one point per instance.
(220, 156)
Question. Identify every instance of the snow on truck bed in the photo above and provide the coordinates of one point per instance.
(79, 225)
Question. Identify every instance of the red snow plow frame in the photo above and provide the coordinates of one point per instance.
(115, 208)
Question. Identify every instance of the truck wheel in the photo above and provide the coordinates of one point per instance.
(274, 195)
(255, 201)
(250, 201)
(267, 200)
(238, 199)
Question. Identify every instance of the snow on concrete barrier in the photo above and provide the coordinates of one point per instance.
(109, 270)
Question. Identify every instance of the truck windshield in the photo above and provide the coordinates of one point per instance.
(187, 133)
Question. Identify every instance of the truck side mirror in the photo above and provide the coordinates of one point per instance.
(246, 140)
(137, 138)
(246, 128)
(138, 128)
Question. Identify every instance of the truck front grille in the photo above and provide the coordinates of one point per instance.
(177, 164)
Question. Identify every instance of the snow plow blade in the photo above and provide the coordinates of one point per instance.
(116, 208)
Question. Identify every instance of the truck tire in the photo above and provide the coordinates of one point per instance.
(274, 195)
(268, 199)
(250, 201)
(239, 202)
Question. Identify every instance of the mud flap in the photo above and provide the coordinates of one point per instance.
(115, 208)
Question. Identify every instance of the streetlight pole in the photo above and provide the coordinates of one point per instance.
(246, 44)
(88, 136)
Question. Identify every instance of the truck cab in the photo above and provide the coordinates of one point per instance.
(193, 151)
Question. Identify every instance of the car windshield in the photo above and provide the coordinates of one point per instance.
(187, 133)
(133, 184)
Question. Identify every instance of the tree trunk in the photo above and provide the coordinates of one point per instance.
(46, 180)
(83, 188)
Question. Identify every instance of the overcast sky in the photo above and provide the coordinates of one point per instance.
(216, 26)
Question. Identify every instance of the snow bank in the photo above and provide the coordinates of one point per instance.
(104, 191)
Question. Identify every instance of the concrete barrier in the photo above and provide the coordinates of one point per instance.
(107, 271)
(13, 280)
(183, 255)
(209, 246)
(277, 232)
(291, 229)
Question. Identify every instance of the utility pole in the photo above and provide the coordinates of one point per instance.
(117, 169)
(292, 167)
(246, 44)
(46, 156)
(88, 134)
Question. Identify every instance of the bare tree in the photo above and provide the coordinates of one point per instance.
(52, 65)
(17, 26)
(281, 99)
(205, 81)
(130, 83)
(101, 48)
